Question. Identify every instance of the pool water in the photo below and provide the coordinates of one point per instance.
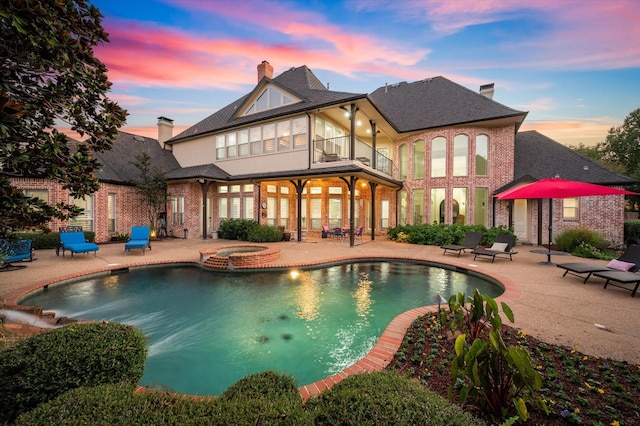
(209, 329)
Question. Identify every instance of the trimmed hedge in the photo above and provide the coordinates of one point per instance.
(50, 240)
(441, 234)
(385, 398)
(262, 398)
(44, 366)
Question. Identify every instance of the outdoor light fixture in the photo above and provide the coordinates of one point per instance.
(201, 181)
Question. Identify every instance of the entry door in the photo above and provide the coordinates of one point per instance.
(521, 220)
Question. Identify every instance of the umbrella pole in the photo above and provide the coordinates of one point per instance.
(550, 229)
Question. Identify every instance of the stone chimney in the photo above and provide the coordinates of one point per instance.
(165, 130)
(264, 70)
(487, 90)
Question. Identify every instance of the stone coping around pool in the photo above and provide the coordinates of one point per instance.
(375, 360)
(258, 258)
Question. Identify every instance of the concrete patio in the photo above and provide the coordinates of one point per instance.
(559, 310)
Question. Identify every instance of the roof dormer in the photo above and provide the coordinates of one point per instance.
(269, 97)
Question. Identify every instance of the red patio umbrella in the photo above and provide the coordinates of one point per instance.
(558, 188)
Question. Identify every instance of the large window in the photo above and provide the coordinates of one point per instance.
(243, 142)
(402, 207)
(461, 155)
(284, 212)
(403, 159)
(437, 205)
(459, 206)
(418, 206)
(247, 207)
(43, 194)
(316, 214)
(384, 214)
(482, 155)
(84, 219)
(284, 135)
(418, 159)
(480, 207)
(439, 157)
(111, 212)
(177, 210)
(335, 212)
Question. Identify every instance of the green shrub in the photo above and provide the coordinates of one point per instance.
(569, 239)
(44, 366)
(264, 234)
(236, 229)
(384, 398)
(441, 234)
(632, 232)
(120, 404)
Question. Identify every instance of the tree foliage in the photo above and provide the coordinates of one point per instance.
(151, 186)
(49, 75)
(622, 146)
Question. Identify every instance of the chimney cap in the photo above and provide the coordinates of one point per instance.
(162, 118)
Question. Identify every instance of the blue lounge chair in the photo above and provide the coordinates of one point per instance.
(76, 243)
(140, 239)
(16, 251)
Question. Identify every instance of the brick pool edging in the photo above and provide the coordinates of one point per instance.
(376, 359)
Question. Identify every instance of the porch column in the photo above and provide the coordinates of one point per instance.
(204, 184)
(352, 135)
(373, 187)
(351, 184)
(299, 186)
(374, 157)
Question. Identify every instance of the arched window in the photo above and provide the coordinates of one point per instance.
(461, 155)
(482, 155)
(418, 159)
(439, 157)
(403, 159)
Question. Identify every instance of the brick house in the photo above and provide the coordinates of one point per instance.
(294, 154)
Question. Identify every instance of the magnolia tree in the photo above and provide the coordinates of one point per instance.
(49, 75)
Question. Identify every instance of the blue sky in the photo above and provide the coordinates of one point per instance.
(573, 65)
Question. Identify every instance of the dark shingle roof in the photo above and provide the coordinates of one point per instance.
(117, 163)
(541, 157)
(207, 171)
(436, 102)
(300, 81)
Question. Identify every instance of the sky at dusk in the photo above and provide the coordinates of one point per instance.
(573, 65)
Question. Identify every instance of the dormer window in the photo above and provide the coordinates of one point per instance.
(270, 98)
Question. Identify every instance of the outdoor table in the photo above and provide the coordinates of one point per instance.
(549, 253)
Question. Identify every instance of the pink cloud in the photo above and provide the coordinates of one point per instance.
(574, 132)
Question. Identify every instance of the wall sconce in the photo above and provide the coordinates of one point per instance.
(201, 181)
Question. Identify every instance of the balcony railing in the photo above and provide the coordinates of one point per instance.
(339, 149)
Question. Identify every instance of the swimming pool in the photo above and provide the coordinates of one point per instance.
(209, 329)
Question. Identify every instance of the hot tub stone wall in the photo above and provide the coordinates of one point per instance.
(241, 260)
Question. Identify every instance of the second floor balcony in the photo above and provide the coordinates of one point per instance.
(339, 149)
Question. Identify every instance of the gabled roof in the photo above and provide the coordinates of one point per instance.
(540, 157)
(437, 102)
(118, 163)
(300, 81)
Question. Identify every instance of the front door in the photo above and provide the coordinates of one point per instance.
(521, 220)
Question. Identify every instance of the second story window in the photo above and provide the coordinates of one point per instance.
(461, 155)
(439, 157)
(482, 155)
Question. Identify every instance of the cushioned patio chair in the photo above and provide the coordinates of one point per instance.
(16, 251)
(326, 231)
(620, 277)
(502, 247)
(140, 239)
(76, 243)
(358, 233)
(471, 241)
(628, 261)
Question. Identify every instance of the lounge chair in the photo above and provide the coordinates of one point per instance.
(471, 241)
(621, 277)
(76, 243)
(140, 239)
(502, 247)
(630, 256)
